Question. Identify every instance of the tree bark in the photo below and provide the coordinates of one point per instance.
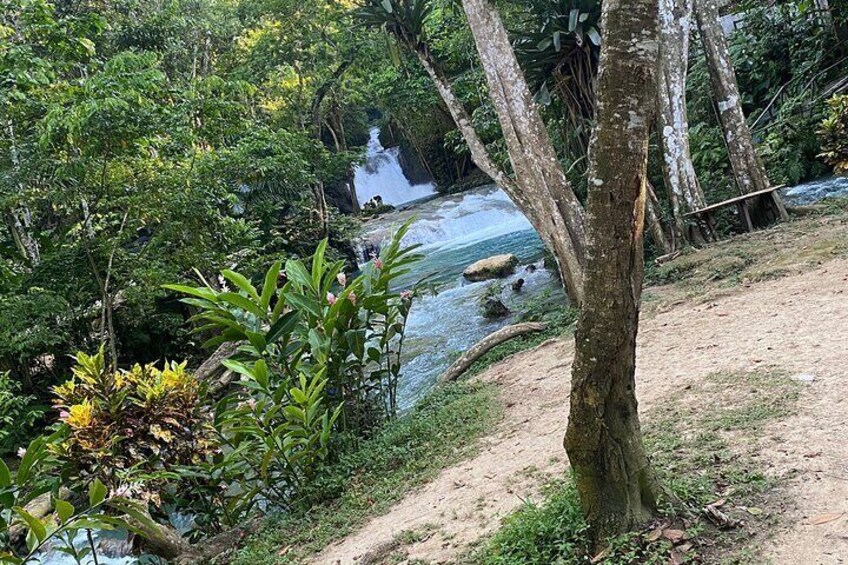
(656, 224)
(560, 215)
(485, 345)
(548, 222)
(615, 482)
(747, 166)
(684, 190)
(19, 221)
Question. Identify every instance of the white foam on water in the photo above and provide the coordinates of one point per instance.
(381, 175)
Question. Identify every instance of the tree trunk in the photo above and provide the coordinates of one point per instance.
(19, 221)
(548, 223)
(684, 191)
(656, 225)
(747, 166)
(615, 482)
(533, 157)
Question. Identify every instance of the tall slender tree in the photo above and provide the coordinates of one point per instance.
(684, 190)
(748, 168)
(533, 157)
(616, 484)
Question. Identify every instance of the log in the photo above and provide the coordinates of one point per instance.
(487, 344)
(213, 372)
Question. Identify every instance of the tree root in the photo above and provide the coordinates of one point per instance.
(487, 344)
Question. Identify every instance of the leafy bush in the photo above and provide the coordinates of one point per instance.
(834, 134)
(18, 415)
(317, 349)
(125, 425)
(40, 475)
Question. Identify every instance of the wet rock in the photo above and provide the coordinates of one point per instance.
(496, 267)
(494, 308)
(518, 285)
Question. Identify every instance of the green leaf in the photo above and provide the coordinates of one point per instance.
(200, 292)
(296, 272)
(35, 526)
(302, 302)
(241, 282)
(270, 285)
(257, 340)
(243, 302)
(260, 373)
(5, 475)
(284, 326)
(64, 510)
(96, 493)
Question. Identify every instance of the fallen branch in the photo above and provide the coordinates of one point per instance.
(487, 344)
(166, 542)
(213, 372)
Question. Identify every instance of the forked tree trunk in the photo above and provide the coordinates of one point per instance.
(534, 160)
(545, 217)
(684, 191)
(747, 166)
(616, 484)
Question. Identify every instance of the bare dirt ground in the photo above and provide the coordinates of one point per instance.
(798, 324)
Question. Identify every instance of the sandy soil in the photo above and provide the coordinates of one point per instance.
(798, 324)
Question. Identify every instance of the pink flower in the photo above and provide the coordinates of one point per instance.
(342, 278)
(378, 263)
(251, 403)
(64, 415)
(352, 297)
(331, 298)
(406, 295)
(21, 452)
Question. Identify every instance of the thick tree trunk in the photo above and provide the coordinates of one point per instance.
(684, 191)
(539, 208)
(533, 157)
(615, 481)
(747, 166)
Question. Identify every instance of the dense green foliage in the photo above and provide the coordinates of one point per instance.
(368, 478)
(146, 147)
(834, 134)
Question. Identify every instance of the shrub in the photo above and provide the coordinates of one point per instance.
(18, 415)
(122, 425)
(834, 134)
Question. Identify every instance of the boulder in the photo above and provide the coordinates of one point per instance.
(496, 267)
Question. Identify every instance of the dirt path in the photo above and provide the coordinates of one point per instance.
(798, 323)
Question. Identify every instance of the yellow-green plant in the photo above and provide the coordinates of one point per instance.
(834, 134)
(123, 424)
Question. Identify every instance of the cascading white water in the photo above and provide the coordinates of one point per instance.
(814, 191)
(454, 232)
(381, 175)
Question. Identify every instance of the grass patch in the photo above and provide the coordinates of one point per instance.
(702, 442)
(366, 481)
(785, 249)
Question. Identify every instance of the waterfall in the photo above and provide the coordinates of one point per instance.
(381, 175)
(454, 222)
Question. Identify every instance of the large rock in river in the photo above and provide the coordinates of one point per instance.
(496, 267)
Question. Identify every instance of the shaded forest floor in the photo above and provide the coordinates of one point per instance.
(742, 362)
